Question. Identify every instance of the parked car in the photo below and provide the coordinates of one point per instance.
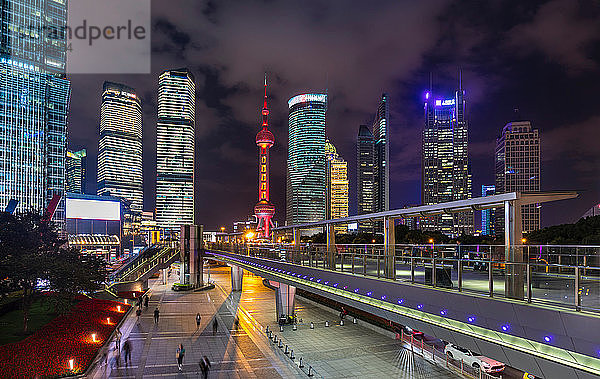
(418, 335)
(473, 359)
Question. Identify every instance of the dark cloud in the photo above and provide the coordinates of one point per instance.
(536, 56)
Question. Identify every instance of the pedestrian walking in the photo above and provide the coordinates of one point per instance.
(198, 319)
(156, 314)
(204, 366)
(138, 313)
(215, 326)
(127, 352)
(146, 302)
(139, 302)
(118, 339)
(343, 313)
(179, 355)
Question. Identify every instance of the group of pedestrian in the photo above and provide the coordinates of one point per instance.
(117, 351)
(142, 301)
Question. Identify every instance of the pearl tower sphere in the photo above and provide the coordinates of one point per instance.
(264, 210)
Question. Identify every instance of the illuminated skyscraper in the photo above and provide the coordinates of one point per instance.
(337, 185)
(120, 148)
(34, 101)
(365, 177)
(381, 166)
(175, 149)
(518, 169)
(305, 193)
(445, 165)
(76, 171)
(488, 215)
(264, 210)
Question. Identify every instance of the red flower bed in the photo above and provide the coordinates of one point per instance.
(47, 352)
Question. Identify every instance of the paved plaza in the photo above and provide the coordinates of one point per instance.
(241, 350)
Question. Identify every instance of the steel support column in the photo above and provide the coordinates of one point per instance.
(330, 233)
(285, 301)
(514, 280)
(237, 276)
(389, 243)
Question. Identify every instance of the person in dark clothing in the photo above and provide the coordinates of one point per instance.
(138, 313)
(146, 302)
(156, 314)
(215, 326)
(127, 352)
(180, 354)
(204, 366)
(198, 319)
(343, 313)
(139, 302)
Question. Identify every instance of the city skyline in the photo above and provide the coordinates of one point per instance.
(227, 106)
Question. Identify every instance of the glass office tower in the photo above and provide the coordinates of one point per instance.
(365, 175)
(175, 149)
(381, 167)
(76, 171)
(120, 148)
(488, 215)
(445, 166)
(337, 186)
(518, 169)
(305, 192)
(34, 101)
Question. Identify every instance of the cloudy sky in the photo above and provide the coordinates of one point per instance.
(535, 60)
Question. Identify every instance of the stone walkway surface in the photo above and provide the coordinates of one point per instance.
(242, 351)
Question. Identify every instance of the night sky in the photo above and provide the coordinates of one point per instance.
(535, 60)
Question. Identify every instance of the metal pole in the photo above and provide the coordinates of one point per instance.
(433, 276)
(353, 261)
(490, 279)
(412, 269)
(378, 265)
(460, 275)
(577, 295)
(528, 276)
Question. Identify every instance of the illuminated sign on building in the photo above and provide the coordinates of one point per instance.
(93, 209)
(443, 103)
(307, 97)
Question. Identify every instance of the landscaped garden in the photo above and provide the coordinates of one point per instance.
(66, 345)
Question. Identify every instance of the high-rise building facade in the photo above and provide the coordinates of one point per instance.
(445, 166)
(34, 101)
(518, 169)
(381, 166)
(120, 147)
(76, 164)
(365, 175)
(175, 149)
(263, 209)
(305, 192)
(337, 186)
(488, 226)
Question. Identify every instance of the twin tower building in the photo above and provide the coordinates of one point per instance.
(120, 169)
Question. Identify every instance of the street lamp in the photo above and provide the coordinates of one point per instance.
(523, 240)
(249, 235)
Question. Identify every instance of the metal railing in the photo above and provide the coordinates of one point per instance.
(144, 264)
(477, 269)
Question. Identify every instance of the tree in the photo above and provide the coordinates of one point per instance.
(33, 258)
(72, 273)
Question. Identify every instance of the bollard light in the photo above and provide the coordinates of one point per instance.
(286, 350)
(108, 320)
(300, 364)
(281, 328)
(280, 343)
(71, 364)
(292, 355)
(267, 331)
(354, 321)
(326, 324)
(312, 325)
(310, 371)
(93, 337)
(294, 327)
(118, 308)
(275, 338)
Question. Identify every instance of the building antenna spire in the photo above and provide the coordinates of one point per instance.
(430, 82)
(459, 78)
(265, 110)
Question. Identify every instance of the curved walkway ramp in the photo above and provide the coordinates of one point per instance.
(546, 341)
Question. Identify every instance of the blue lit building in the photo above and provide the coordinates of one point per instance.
(445, 165)
(306, 182)
(488, 215)
(381, 167)
(34, 101)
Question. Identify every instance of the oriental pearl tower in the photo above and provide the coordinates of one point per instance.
(264, 210)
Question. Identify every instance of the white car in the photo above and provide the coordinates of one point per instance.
(473, 359)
